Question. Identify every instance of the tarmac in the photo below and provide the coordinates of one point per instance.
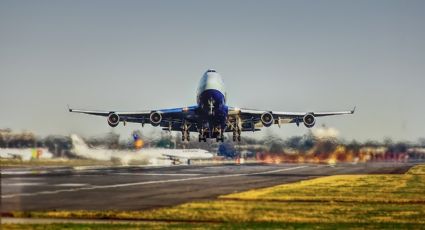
(142, 187)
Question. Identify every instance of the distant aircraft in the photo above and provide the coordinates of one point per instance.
(152, 156)
(211, 117)
(25, 154)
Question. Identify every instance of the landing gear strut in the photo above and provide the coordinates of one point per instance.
(202, 136)
(185, 132)
(185, 136)
(236, 128)
(237, 135)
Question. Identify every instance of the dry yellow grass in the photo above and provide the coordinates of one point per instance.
(417, 170)
(406, 188)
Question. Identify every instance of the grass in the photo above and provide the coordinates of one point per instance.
(225, 226)
(345, 188)
(346, 201)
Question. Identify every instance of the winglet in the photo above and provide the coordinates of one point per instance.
(69, 109)
(354, 110)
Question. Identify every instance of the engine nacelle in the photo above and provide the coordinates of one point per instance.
(155, 118)
(267, 119)
(113, 119)
(309, 120)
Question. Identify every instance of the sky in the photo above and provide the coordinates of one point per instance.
(273, 55)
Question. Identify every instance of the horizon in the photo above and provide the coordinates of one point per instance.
(277, 55)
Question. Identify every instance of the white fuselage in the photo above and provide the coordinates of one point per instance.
(151, 156)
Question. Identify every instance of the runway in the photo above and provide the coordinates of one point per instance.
(138, 188)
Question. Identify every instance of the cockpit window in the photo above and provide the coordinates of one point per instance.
(211, 71)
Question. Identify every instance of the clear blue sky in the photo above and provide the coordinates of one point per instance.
(277, 55)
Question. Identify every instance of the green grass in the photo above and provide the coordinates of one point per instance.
(346, 201)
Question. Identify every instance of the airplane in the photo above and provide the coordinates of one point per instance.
(211, 117)
(152, 156)
(26, 154)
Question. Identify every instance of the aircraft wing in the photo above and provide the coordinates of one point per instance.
(170, 118)
(252, 119)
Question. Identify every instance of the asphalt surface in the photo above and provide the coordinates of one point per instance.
(138, 188)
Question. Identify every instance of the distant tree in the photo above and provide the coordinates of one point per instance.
(276, 147)
(57, 144)
(308, 143)
(388, 141)
(325, 147)
(300, 143)
(372, 143)
(293, 142)
(353, 146)
(399, 147)
(421, 142)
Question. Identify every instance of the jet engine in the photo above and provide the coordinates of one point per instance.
(113, 119)
(155, 118)
(267, 119)
(309, 120)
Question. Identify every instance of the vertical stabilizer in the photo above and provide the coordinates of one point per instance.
(79, 146)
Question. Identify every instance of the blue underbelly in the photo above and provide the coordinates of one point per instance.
(213, 107)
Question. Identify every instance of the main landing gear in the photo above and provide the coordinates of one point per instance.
(220, 135)
(185, 132)
(185, 136)
(237, 136)
(202, 135)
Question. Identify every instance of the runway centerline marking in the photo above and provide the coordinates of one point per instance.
(70, 185)
(159, 174)
(147, 183)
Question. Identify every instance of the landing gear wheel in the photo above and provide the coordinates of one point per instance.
(218, 139)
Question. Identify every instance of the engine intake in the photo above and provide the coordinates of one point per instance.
(267, 119)
(309, 120)
(113, 119)
(155, 118)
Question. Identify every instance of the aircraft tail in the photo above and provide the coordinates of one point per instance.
(80, 147)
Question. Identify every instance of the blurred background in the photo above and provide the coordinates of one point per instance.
(274, 55)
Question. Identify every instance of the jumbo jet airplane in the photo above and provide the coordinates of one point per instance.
(152, 156)
(211, 117)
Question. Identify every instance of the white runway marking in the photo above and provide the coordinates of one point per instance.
(71, 185)
(160, 174)
(15, 172)
(146, 183)
(24, 184)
